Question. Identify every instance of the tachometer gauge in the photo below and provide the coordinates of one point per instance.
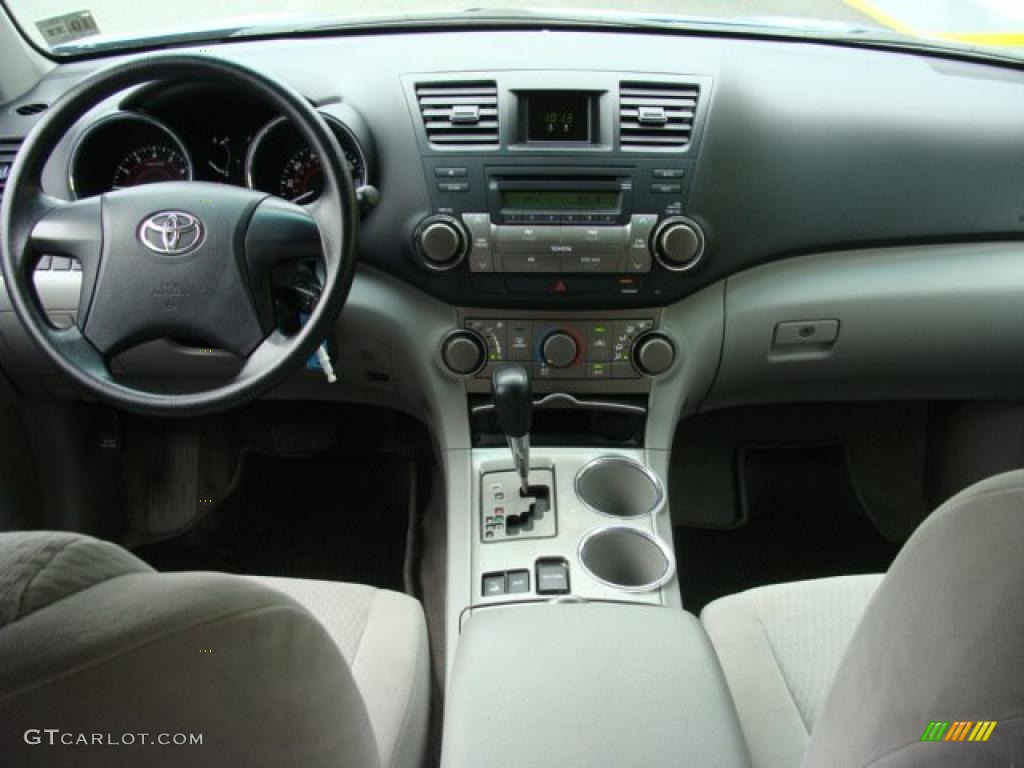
(302, 178)
(150, 164)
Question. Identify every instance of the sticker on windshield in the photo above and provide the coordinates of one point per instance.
(67, 27)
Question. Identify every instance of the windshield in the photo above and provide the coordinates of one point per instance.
(70, 26)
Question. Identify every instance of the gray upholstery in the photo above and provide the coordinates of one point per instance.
(780, 647)
(95, 642)
(587, 686)
(850, 671)
(943, 639)
(383, 637)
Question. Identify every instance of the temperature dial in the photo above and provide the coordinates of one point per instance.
(559, 350)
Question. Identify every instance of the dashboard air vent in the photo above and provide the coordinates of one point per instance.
(459, 113)
(8, 149)
(657, 115)
(26, 110)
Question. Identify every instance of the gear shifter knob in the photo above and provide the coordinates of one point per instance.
(513, 399)
(513, 403)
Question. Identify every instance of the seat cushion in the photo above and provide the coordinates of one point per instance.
(780, 647)
(383, 637)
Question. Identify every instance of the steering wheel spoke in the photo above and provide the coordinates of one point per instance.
(71, 229)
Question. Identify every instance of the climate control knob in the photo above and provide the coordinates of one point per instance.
(559, 350)
(464, 352)
(441, 242)
(653, 353)
(678, 244)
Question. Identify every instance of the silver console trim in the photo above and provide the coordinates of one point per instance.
(565, 400)
(618, 459)
(670, 558)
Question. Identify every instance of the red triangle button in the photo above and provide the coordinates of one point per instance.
(560, 286)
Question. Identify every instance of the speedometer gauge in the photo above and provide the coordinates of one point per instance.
(302, 179)
(150, 164)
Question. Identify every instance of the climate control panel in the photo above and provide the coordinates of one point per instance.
(559, 349)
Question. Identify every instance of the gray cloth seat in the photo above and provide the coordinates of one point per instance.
(850, 671)
(268, 671)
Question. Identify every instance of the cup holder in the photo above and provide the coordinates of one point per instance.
(619, 487)
(627, 558)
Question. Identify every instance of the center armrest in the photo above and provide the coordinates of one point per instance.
(588, 684)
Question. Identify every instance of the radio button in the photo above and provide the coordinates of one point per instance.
(668, 173)
(528, 239)
(453, 186)
(609, 240)
(529, 262)
(449, 173)
(481, 260)
(591, 262)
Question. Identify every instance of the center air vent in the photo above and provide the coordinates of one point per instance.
(657, 115)
(8, 149)
(459, 113)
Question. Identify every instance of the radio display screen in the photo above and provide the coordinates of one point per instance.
(559, 200)
(557, 116)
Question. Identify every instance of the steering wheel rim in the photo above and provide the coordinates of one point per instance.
(30, 219)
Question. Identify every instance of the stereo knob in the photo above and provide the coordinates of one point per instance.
(653, 353)
(441, 242)
(464, 352)
(678, 244)
(559, 350)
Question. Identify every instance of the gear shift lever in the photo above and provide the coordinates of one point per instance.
(513, 402)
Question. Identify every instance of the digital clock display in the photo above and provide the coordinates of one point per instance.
(557, 116)
(559, 200)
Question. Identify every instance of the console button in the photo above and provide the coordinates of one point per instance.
(599, 343)
(552, 577)
(494, 584)
(530, 262)
(520, 340)
(518, 582)
(526, 239)
(453, 186)
(591, 262)
(599, 370)
(442, 173)
(668, 173)
(595, 239)
(665, 188)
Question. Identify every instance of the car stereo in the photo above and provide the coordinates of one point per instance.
(576, 226)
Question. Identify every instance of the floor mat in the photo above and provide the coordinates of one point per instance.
(804, 521)
(340, 519)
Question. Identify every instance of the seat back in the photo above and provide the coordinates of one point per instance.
(102, 660)
(941, 641)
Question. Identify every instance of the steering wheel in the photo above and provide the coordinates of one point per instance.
(185, 260)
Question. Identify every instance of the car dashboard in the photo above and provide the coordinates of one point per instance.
(559, 208)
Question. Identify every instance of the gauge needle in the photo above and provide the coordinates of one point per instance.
(304, 196)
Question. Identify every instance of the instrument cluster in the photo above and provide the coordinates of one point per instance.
(229, 143)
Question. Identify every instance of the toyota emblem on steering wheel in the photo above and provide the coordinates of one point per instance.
(171, 233)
